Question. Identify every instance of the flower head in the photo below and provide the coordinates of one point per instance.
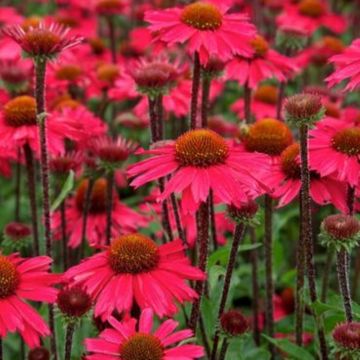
(25, 279)
(44, 40)
(233, 323)
(347, 340)
(245, 213)
(198, 159)
(126, 341)
(205, 27)
(268, 136)
(141, 271)
(340, 231)
(304, 108)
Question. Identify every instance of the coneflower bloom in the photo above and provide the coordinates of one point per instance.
(335, 150)
(135, 268)
(285, 179)
(43, 40)
(263, 64)
(25, 279)
(206, 27)
(18, 126)
(347, 67)
(135, 340)
(124, 219)
(198, 160)
(310, 15)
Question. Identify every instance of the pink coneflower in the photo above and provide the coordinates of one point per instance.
(62, 164)
(109, 7)
(285, 179)
(205, 27)
(134, 340)
(124, 219)
(264, 64)
(43, 40)
(18, 126)
(335, 150)
(263, 103)
(25, 279)
(347, 67)
(135, 268)
(310, 15)
(198, 159)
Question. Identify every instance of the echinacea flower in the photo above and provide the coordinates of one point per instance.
(346, 337)
(310, 15)
(25, 279)
(135, 268)
(124, 219)
(335, 149)
(18, 126)
(44, 40)
(198, 160)
(347, 67)
(206, 27)
(263, 64)
(285, 179)
(135, 340)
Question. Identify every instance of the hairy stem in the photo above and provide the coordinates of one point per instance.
(203, 243)
(224, 349)
(247, 103)
(69, 340)
(18, 185)
(213, 220)
(343, 279)
(179, 226)
(109, 205)
(31, 182)
(64, 235)
(269, 284)
(85, 210)
(206, 84)
(238, 237)
(306, 231)
(327, 271)
(195, 91)
(112, 37)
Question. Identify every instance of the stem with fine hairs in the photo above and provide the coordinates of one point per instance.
(111, 26)
(1, 348)
(109, 205)
(179, 226)
(18, 185)
(195, 91)
(238, 237)
(203, 243)
(269, 283)
(247, 103)
(213, 220)
(206, 85)
(31, 181)
(306, 231)
(85, 210)
(223, 350)
(299, 296)
(343, 278)
(280, 99)
(69, 340)
(64, 235)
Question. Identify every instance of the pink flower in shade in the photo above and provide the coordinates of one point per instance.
(206, 27)
(18, 126)
(223, 126)
(335, 149)
(309, 16)
(264, 64)
(124, 219)
(128, 340)
(263, 103)
(15, 73)
(347, 67)
(10, 15)
(285, 179)
(25, 279)
(43, 40)
(135, 268)
(198, 160)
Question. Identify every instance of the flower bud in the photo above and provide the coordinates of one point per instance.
(346, 337)
(245, 213)
(73, 302)
(233, 323)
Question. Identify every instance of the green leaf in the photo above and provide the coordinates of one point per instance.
(67, 187)
(294, 352)
(320, 307)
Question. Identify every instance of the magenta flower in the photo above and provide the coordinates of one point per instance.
(198, 161)
(347, 67)
(25, 279)
(263, 64)
(128, 341)
(43, 40)
(205, 27)
(135, 268)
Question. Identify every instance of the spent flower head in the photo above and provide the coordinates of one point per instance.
(303, 109)
(346, 337)
(340, 231)
(233, 323)
(244, 214)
